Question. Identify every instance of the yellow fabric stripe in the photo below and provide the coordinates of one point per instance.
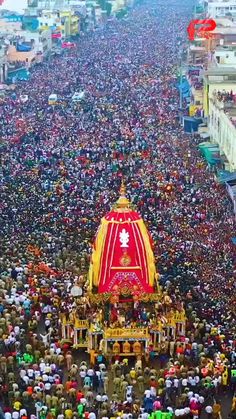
(97, 254)
(149, 252)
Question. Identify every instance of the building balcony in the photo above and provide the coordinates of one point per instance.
(226, 103)
(224, 100)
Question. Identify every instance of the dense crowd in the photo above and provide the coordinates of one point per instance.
(61, 169)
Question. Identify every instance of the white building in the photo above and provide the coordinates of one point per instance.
(41, 41)
(225, 56)
(3, 64)
(222, 125)
(217, 79)
(220, 8)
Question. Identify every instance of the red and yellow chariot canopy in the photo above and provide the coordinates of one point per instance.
(122, 256)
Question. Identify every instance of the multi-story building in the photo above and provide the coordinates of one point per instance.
(72, 19)
(64, 23)
(195, 80)
(222, 123)
(8, 27)
(3, 63)
(225, 56)
(217, 94)
(220, 8)
(217, 79)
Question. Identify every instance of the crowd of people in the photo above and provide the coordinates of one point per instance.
(61, 169)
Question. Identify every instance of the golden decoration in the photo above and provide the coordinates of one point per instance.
(125, 290)
(125, 259)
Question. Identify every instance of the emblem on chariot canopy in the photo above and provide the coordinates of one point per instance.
(124, 238)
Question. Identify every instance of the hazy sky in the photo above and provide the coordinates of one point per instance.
(18, 5)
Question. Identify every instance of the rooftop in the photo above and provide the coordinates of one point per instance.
(225, 48)
(14, 55)
(195, 48)
(225, 71)
(224, 22)
(225, 30)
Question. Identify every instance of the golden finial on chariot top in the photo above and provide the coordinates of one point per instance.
(123, 202)
(122, 188)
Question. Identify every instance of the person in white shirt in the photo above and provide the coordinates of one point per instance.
(37, 374)
(26, 379)
(30, 372)
(45, 339)
(184, 382)
(104, 398)
(208, 409)
(90, 372)
(47, 324)
(42, 366)
(7, 415)
(82, 374)
(22, 373)
(129, 390)
(192, 381)
(147, 393)
(215, 382)
(22, 298)
(170, 409)
(176, 382)
(98, 374)
(47, 387)
(47, 369)
(168, 383)
(15, 387)
(190, 394)
(45, 378)
(197, 379)
(51, 379)
(16, 330)
(153, 391)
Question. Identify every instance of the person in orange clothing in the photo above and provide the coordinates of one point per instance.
(68, 384)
